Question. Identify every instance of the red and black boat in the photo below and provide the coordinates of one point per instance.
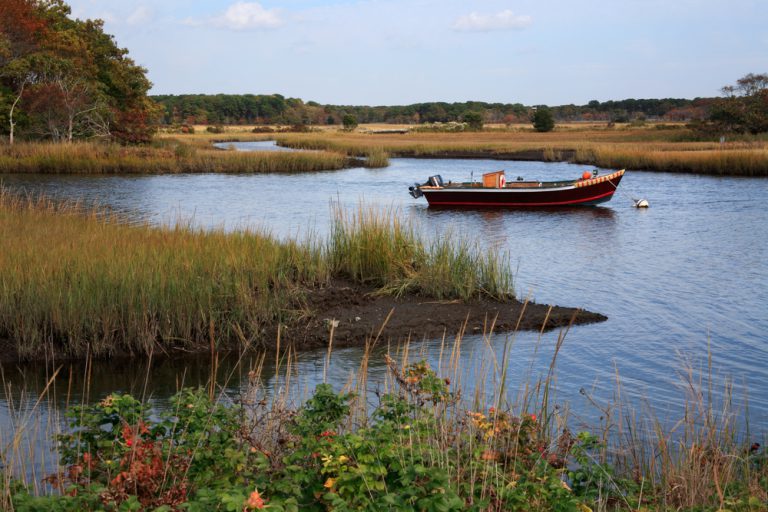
(496, 191)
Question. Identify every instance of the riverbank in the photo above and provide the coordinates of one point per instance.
(78, 282)
(166, 156)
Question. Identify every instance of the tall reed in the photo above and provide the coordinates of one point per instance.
(168, 157)
(74, 280)
(377, 247)
(501, 447)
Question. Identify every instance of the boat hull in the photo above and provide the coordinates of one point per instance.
(583, 193)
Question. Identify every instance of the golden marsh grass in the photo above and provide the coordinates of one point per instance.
(81, 281)
(168, 157)
(639, 149)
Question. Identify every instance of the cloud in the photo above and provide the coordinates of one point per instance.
(141, 15)
(504, 20)
(247, 16)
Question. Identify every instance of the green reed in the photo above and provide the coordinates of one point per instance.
(379, 248)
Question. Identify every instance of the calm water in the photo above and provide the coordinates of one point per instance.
(687, 274)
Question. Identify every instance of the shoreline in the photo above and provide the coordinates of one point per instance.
(361, 315)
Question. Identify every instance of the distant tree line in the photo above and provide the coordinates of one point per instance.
(743, 107)
(63, 79)
(276, 109)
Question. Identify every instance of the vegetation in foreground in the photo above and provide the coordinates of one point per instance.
(82, 282)
(420, 446)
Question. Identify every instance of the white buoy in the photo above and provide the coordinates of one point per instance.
(641, 203)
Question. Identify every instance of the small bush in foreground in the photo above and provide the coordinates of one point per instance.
(415, 451)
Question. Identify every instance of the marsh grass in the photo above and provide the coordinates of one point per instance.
(77, 280)
(704, 160)
(638, 149)
(166, 156)
(377, 248)
(668, 149)
(376, 158)
(499, 446)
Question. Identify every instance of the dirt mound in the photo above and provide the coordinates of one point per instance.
(357, 313)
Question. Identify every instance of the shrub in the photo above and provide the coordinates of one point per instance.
(349, 121)
(543, 121)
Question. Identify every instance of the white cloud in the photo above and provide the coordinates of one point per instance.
(247, 16)
(141, 15)
(504, 20)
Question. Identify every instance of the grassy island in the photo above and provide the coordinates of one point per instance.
(83, 282)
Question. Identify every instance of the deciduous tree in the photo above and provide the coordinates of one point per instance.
(744, 107)
(68, 77)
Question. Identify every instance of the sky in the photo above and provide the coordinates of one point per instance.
(398, 52)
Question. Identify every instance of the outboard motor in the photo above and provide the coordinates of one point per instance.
(436, 180)
(415, 191)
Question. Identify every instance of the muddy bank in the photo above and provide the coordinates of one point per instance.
(357, 314)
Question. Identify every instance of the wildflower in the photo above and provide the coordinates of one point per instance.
(328, 433)
(254, 501)
(327, 459)
(343, 459)
(533, 417)
(329, 483)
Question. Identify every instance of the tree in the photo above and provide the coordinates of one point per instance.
(543, 121)
(474, 120)
(68, 77)
(20, 30)
(349, 121)
(744, 107)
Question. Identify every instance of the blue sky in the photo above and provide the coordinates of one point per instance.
(387, 52)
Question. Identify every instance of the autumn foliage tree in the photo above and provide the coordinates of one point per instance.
(744, 107)
(63, 79)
